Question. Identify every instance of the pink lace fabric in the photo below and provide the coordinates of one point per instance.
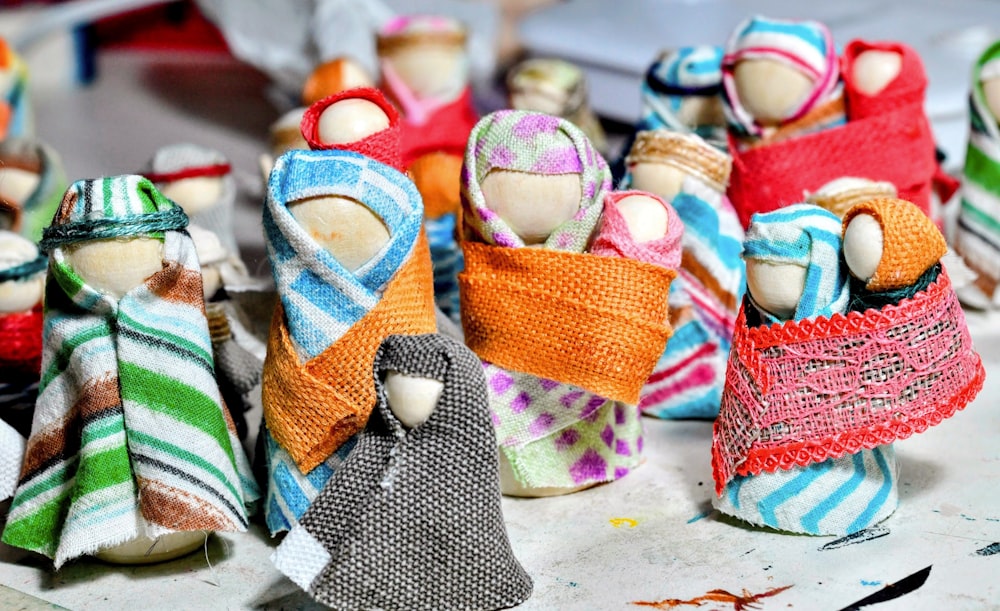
(801, 392)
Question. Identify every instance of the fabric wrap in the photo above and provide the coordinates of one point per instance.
(880, 141)
(35, 213)
(382, 146)
(130, 435)
(330, 321)
(977, 237)
(413, 520)
(799, 393)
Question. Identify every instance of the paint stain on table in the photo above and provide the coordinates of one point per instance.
(739, 602)
(989, 550)
(619, 522)
(872, 532)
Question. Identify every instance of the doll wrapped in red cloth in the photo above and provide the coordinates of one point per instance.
(887, 137)
(812, 400)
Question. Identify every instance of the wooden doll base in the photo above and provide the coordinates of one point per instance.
(146, 550)
(509, 486)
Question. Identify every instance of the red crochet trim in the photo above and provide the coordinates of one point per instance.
(802, 392)
(887, 137)
(20, 345)
(446, 130)
(218, 169)
(384, 146)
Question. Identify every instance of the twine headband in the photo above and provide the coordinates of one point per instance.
(407, 30)
(687, 152)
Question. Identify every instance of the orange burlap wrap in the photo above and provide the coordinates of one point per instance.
(598, 323)
(312, 408)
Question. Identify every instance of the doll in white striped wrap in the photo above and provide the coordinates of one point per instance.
(795, 271)
(130, 438)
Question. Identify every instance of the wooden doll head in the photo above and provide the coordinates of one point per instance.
(412, 399)
(344, 227)
(427, 53)
(194, 177)
(533, 205)
(874, 69)
(841, 194)
(548, 85)
(334, 76)
(24, 292)
(285, 133)
(770, 90)
(645, 216)
(115, 266)
(660, 161)
(351, 120)
(20, 178)
(211, 255)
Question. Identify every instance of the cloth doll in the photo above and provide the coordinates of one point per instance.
(335, 308)
(681, 92)
(977, 237)
(32, 182)
(22, 278)
(425, 73)
(704, 301)
(412, 520)
(546, 320)
(130, 437)
(780, 80)
(872, 376)
(371, 126)
(555, 87)
(16, 120)
(237, 370)
(200, 180)
(880, 97)
(841, 194)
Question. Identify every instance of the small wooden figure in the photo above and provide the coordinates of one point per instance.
(681, 93)
(555, 87)
(131, 446)
(425, 72)
(237, 369)
(32, 182)
(816, 393)
(16, 117)
(535, 305)
(341, 293)
(977, 237)
(22, 279)
(200, 180)
(692, 175)
(333, 76)
(428, 431)
(780, 80)
(841, 194)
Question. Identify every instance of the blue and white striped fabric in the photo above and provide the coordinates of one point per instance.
(322, 300)
(808, 236)
(835, 497)
(447, 259)
(678, 75)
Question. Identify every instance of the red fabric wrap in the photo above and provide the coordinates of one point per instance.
(802, 392)
(887, 137)
(218, 169)
(384, 146)
(20, 345)
(446, 130)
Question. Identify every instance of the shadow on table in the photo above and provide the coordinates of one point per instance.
(297, 600)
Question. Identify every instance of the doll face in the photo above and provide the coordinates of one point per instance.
(16, 186)
(113, 266)
(657, 178)
(412, 399)
(21, 295)
(532, 205)
(991, 91)
(770, 90)
(863, 246)
(776, 287)
(346, 228)
(873, 70)
(350, 121)
(645, 216)
(211, 280)
(431, 70)
(194, 194)
(701, 110)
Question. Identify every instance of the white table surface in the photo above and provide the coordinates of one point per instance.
(649, 537)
